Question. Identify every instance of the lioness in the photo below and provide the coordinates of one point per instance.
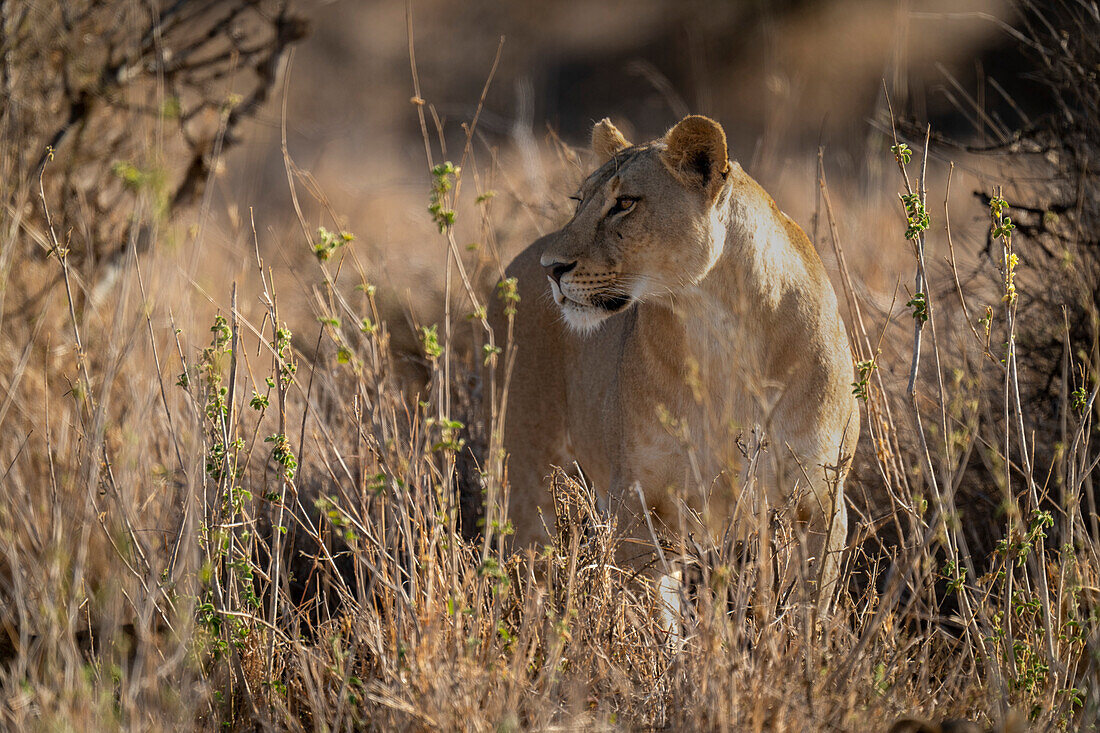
(692, 334)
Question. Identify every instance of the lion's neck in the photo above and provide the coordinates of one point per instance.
(719, 332)
(760, 263)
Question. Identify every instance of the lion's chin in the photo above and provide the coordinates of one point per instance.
(583, 319)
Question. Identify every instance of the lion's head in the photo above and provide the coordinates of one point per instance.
(646, 222)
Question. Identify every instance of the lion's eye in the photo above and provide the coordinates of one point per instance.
(623, 203)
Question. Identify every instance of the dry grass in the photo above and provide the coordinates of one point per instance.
(210, 522)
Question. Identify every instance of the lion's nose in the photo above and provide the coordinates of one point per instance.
(557, 269)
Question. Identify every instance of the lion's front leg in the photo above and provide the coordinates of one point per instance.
(820, 524)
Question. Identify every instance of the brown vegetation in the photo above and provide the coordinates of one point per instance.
(210, 521)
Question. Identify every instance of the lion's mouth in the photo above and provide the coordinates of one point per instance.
(608, 302)
(613, 302)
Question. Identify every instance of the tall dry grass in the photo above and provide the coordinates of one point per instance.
(211, 521)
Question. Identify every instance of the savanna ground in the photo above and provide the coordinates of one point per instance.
(243, 480)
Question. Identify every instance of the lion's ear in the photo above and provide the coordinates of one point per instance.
(696, 154)
(607, 140)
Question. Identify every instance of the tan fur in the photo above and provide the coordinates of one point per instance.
(691, 327)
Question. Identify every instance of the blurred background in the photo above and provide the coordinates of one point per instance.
(180, 109)
(784, 78)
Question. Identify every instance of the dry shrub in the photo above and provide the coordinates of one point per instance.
(1040, 152)
(136, 102)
